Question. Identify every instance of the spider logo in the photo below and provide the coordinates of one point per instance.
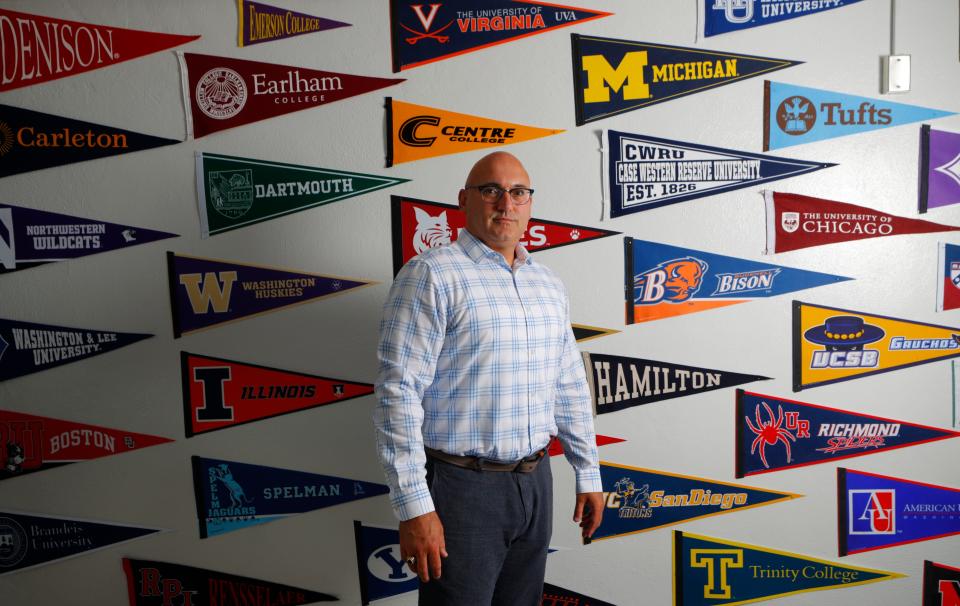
(769, 433)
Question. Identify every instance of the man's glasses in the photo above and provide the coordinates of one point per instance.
(492, 193)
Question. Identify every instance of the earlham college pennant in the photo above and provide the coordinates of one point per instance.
(941, 584)
(722, 16)
(939, 168)
(383, 573)
(554, 595)
(258, 23)
(582, 332)
(948, 278)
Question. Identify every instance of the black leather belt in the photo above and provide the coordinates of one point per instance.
(479, 464)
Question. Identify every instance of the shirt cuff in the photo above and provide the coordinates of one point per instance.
(412, 506)
(588, 480)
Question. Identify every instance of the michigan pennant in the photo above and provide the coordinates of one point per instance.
(797, 114)
(582, 332)
(948, 279)
(611, 76)
(941, 584)
(643, 172)
(722, 16)
(258, 23)
(558, 596)
(939, 168)
(383, 573)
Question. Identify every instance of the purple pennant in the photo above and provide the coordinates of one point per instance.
(257, 23)
(939, 168)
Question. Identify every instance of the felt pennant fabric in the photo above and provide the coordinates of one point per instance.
(582, 332)
(258, 23)
(939, 168)
(948, 278)
(383, 573)
(941, 584)
(723, 16)
(555, 448)
(554, 595)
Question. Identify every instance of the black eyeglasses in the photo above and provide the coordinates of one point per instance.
(492, 193)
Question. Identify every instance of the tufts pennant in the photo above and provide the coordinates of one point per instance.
(582, 332)
(939, 168)
(723, 16)
(941, 584)
(258, 23)
(948, 278)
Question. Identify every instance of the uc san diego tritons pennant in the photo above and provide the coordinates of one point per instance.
(722, 16)
(258, 23)
(939, 168)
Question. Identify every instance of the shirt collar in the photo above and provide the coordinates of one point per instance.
(476, 250)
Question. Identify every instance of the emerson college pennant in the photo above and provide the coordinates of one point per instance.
(258, 23)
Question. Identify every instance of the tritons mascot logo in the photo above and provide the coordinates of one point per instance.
(872, 511)
(673, 281)
(773, 430)
(631, 502)
(843, 338)
(210, 290)
(717, 562)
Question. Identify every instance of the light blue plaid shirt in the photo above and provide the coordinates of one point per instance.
(477, 359)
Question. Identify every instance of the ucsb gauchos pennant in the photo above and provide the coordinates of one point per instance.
(797, 114)
(722, 16)
(383, 573)
(235, 192)
(232, 495)
(611, 77)
(663, 281)
(554, 595)
(708, 571)
(637, 500)
(939, 168)
(941, 584)
(775, 433)
(875, 512)
(948, 282)
(258, 23)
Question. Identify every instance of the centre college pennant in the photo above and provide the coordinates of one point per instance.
(939, 168)
(723, 16)
(258, 23)
(941, 584)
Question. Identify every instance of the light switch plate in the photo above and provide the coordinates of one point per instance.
(896, 74)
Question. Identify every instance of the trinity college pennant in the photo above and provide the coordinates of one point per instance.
(876, 512)
(941, 584)
(258, 23)
(424, 33)
(35, 49)
(709, 571)
(797, 114)
(419, 225)
(582, 332)
(611, 77)
(939, 168)
(32, 140)
(232, 495)
(664, 281)
(558, 596)
(235, 192)
(223, 92)
(722, 16)
(383, 573)
(799, 434)
(643, 172)
(948, 279)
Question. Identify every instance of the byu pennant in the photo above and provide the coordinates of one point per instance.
(383, 572)
(258, 23)
(32, 140)
(35, 48)
(582, 332)
(232, 495)
(555, 448)
(795, 222)
(941, 584)
(723, 16)
(709, 571)
(27, 347)
(209, 292)
(664, 281)
(419, 225)
(219, 393)
(554, 595)
(831, 345)
(235, 192)
(619, 382)
(948, 280)
(939, 168)
(876, 512)
(224, 92)
(800, 434)
(643, 172)
(637, 500)
(611, 77)
(798, 114)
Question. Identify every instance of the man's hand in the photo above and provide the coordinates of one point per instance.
(588, 512)
(422, 538)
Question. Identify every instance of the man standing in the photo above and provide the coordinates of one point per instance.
(478, 370)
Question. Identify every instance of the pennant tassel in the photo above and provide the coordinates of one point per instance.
(771, 216)
(185, 89)
(924, 181)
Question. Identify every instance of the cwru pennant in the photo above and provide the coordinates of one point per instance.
(941, 584)
(948, 283)
(383, 572)
(939, 168)
(723, 16)
(258, 23)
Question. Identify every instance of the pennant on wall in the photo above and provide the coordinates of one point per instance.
(555, 448)
(422, 34)
(383, 573)
(618, 382)
(582, 332)
(709, 571)
(219, 393)
(941, 584)
(419, 225)
(611, 76)
(32, 140)
(798, 114)
(663, 281)
(258, 23)
(795, 221)
(832, 345)
(876, 512)
(558, 596)
(948, 280)
(223, 92)
(722, 16)
(939, 168)
(235, 192)
(35, 48)
(27, 347)
(800, 434)
(643, 172)
(416, 132)
(208, 292)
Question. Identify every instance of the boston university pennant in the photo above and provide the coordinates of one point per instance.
(939, 168)
(643, 172)
(558, 596)
(722, 16)
(582, 332)
(224, 92)
(258, 23)
(800, 434)
(383, 573)
(611, 77)
(424, 33)
(664, 281)
(232, 495)
(235, 192)
(948, 280)
(941, 584)
(208, 292)
(35, 49)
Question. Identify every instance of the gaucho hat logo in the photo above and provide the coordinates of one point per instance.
(844, 333)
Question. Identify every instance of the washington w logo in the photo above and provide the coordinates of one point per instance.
(431, 231)
(213, 293)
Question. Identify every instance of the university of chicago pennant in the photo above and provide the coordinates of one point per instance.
(554, 595)
(383, 573)
(722, 16)
(948, 278)
(582, 332)
(258, 23)
(941, 584)
(939, 168)
(611, 76)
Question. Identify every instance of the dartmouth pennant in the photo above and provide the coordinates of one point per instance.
(31, 237)
(643, 172)
(235, 192)
(722, 16)
(582, 332)
(32, 140)
(797, 114)
(419, 225)
(948, 280)
(208, 292)
(258, 23)
(637, 500)
(664, 281)
(941, 584)
(232, 495)
(224, 92)
(618, 382)
(939, 168)
(611, 77)
(708, 571)
(219, 393)
(876, 512)
(832, 345)
(775, 433)
(554, 595)
(383, 573)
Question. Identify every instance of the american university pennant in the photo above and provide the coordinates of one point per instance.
(948, 277)
(722, 16)
(582, 332)
(939, 168)
(554, 595)
(383, 573)
(941, 584)
(258, 23)
(611, 76)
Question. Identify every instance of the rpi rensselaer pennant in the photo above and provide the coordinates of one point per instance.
(939, 168)
(722, 16)
(948, 278)
(941, 584)
(258, 23)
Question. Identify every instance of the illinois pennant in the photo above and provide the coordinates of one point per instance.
(258, 23)
(939, 168)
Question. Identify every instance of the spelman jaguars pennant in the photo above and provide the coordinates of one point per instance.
(939, 168)
(941, 584)
(258, 23)
(722, 16)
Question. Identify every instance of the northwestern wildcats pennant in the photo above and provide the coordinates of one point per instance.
(939, 168)
(258, 23)
(611, 77)
(948, 280)
(582, 332)
(722, 16)
(941, 584)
